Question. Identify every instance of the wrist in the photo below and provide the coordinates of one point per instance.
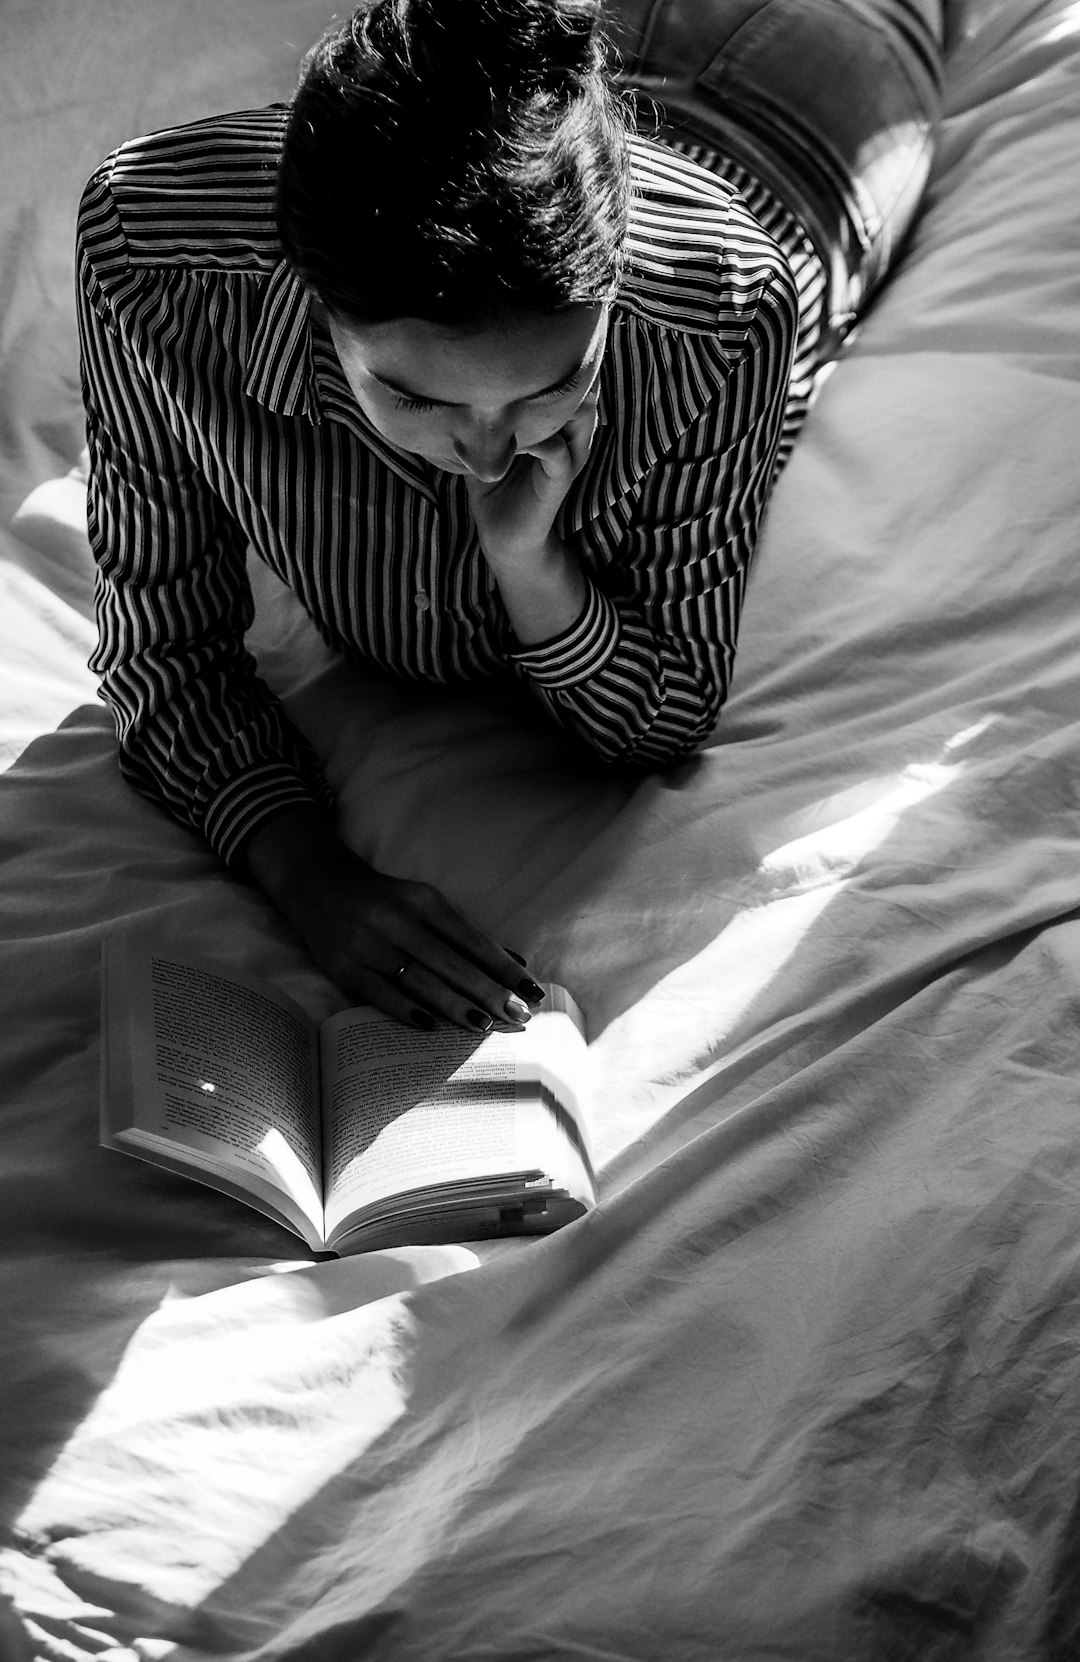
(522, 554)
(293, 850)
(545, 594)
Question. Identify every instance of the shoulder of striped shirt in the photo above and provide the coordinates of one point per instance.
(697, 259)
(201, 197)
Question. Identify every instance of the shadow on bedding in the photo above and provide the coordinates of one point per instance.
(902, 899)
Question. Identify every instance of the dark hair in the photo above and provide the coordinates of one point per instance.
(456, 160)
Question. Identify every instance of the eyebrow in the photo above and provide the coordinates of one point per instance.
(446, 403)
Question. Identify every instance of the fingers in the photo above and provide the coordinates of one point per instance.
(563, 455)
(422, 996)
(580, 432)
(457, 971)
(556, 460)
(412, 953)
(516, 513)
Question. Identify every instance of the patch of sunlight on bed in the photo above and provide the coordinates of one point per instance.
(263, 1358)
(1068, 24)
(677, 1032)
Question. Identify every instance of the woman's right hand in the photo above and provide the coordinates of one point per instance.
(362, 926)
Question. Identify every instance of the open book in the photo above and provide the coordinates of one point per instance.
(358, 1134)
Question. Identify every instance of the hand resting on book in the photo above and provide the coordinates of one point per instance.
(362, 926)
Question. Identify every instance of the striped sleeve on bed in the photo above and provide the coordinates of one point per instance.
(219, 422)
(198, 730)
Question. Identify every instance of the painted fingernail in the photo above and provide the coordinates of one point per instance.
(517, 957)
(528, 989)
(477, 1019)
(420, 1018)
(516, 1009)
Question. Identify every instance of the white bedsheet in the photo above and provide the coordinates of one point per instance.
(807, 1383)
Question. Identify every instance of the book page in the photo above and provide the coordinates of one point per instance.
(220, 1064)
(405, 1109)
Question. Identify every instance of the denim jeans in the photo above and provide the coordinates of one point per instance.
(831, 103)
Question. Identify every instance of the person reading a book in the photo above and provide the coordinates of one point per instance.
(495, 366)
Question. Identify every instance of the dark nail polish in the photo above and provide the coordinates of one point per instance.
(422, 1019)
(517, 957)
(477, 1019)
(529, 990)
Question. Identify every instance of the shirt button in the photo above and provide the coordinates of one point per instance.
(423, 602)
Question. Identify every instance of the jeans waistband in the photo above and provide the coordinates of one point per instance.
(831, 103)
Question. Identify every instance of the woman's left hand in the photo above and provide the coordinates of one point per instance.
(515, 515)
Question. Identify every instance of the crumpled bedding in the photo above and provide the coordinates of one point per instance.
(806, 1384)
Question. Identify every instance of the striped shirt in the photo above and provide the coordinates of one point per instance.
(219, 420)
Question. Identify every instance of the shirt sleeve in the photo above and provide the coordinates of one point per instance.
(199, 732)
(642, 674)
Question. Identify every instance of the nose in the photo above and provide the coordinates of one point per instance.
(487, 452)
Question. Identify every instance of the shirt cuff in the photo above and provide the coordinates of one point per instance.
(579, 652)
(238, 809)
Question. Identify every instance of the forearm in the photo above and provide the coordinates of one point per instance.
(217, 751)
(631, 695)
(597, 668)
(642, 674)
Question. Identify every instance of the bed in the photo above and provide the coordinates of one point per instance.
(806, 1383)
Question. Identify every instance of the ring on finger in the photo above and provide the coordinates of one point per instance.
(400, 971)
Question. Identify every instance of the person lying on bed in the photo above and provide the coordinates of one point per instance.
(498, 384)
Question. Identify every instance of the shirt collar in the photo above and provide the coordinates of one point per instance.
(279, 364)
(292, 369)
(654, 384)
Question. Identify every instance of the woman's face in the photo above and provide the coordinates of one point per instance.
(469, 402)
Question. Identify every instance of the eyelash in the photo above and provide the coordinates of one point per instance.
(557, 392)
(422, 404)
(404, 403)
